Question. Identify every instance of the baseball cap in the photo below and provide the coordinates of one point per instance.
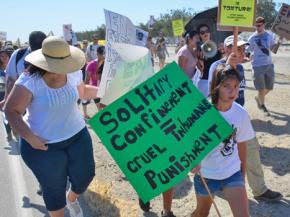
(230, 41)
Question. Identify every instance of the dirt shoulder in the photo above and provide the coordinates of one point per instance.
(110, 194)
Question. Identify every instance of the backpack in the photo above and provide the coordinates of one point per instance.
(20, 55)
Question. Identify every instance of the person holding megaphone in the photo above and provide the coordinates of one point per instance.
(207, 55)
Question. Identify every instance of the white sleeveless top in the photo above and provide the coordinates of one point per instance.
(53, 113)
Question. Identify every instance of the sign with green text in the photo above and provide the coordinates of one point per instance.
(177, 27)
(238, 13)
(160, 130)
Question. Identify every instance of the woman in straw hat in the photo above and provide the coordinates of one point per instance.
(55, 143)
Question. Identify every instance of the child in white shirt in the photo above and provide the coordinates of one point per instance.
(224, 167)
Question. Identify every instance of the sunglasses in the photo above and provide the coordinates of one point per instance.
(204, 32)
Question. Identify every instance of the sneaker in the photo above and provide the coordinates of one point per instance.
(169, 214)
(263, 107)
(270, 196)
(258, 102)
(74, 208)
(144, 206)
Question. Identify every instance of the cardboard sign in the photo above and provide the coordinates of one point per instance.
(177, 27)
(67, 32)
(281, 26)
(3, 36)
(119, 29)
(160, 130)
(236, 13)
(133, 68)
(141, 37)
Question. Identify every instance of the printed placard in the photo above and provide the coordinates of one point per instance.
(160, 130)
(236, 13)
(281, 26)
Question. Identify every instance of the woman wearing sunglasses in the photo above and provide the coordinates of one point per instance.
(205, 62)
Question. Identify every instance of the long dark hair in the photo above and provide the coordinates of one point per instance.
(34, 70)
(189, 35)
(221, 74)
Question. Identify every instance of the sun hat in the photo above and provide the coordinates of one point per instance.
(57, 56)
(230, 41)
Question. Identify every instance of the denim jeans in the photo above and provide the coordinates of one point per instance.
(236, 180)
(72, 158)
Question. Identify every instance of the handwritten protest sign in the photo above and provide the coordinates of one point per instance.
(177, 26)
(236, 13)
(160, 130)
(119, 29)
(281, 26)
(67, 32)
(133, 68)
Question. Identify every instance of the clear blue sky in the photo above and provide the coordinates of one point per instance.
(20, 17)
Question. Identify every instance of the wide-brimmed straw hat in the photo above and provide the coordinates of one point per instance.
(57, 56)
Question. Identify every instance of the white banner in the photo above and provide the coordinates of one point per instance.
(133, 68)
(119, 29)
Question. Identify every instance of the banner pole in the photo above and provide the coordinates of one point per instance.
(208, 191)
(236, 32)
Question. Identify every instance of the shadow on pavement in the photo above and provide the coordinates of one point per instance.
(269, 158)
(278, 209)
(183, 188)
(270, 126)
(100, 206)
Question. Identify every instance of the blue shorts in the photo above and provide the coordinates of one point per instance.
(72, 158)
(214, 185)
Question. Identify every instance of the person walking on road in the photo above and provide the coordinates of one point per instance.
(260, 45)
(55, 142)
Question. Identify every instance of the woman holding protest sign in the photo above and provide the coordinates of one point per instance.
(55, 143)
(224, 168)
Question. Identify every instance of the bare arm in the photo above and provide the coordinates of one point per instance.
(182, 62)
(87, 77)
(242, 148)
(9, 85)
(87, 91)
(15, 106)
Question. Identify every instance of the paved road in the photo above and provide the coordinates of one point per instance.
(18, 197)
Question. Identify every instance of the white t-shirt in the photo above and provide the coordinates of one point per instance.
(12, 70)
(260, 47)
(223, 161)
(53, 113)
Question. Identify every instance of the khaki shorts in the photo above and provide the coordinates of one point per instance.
(264, 77)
